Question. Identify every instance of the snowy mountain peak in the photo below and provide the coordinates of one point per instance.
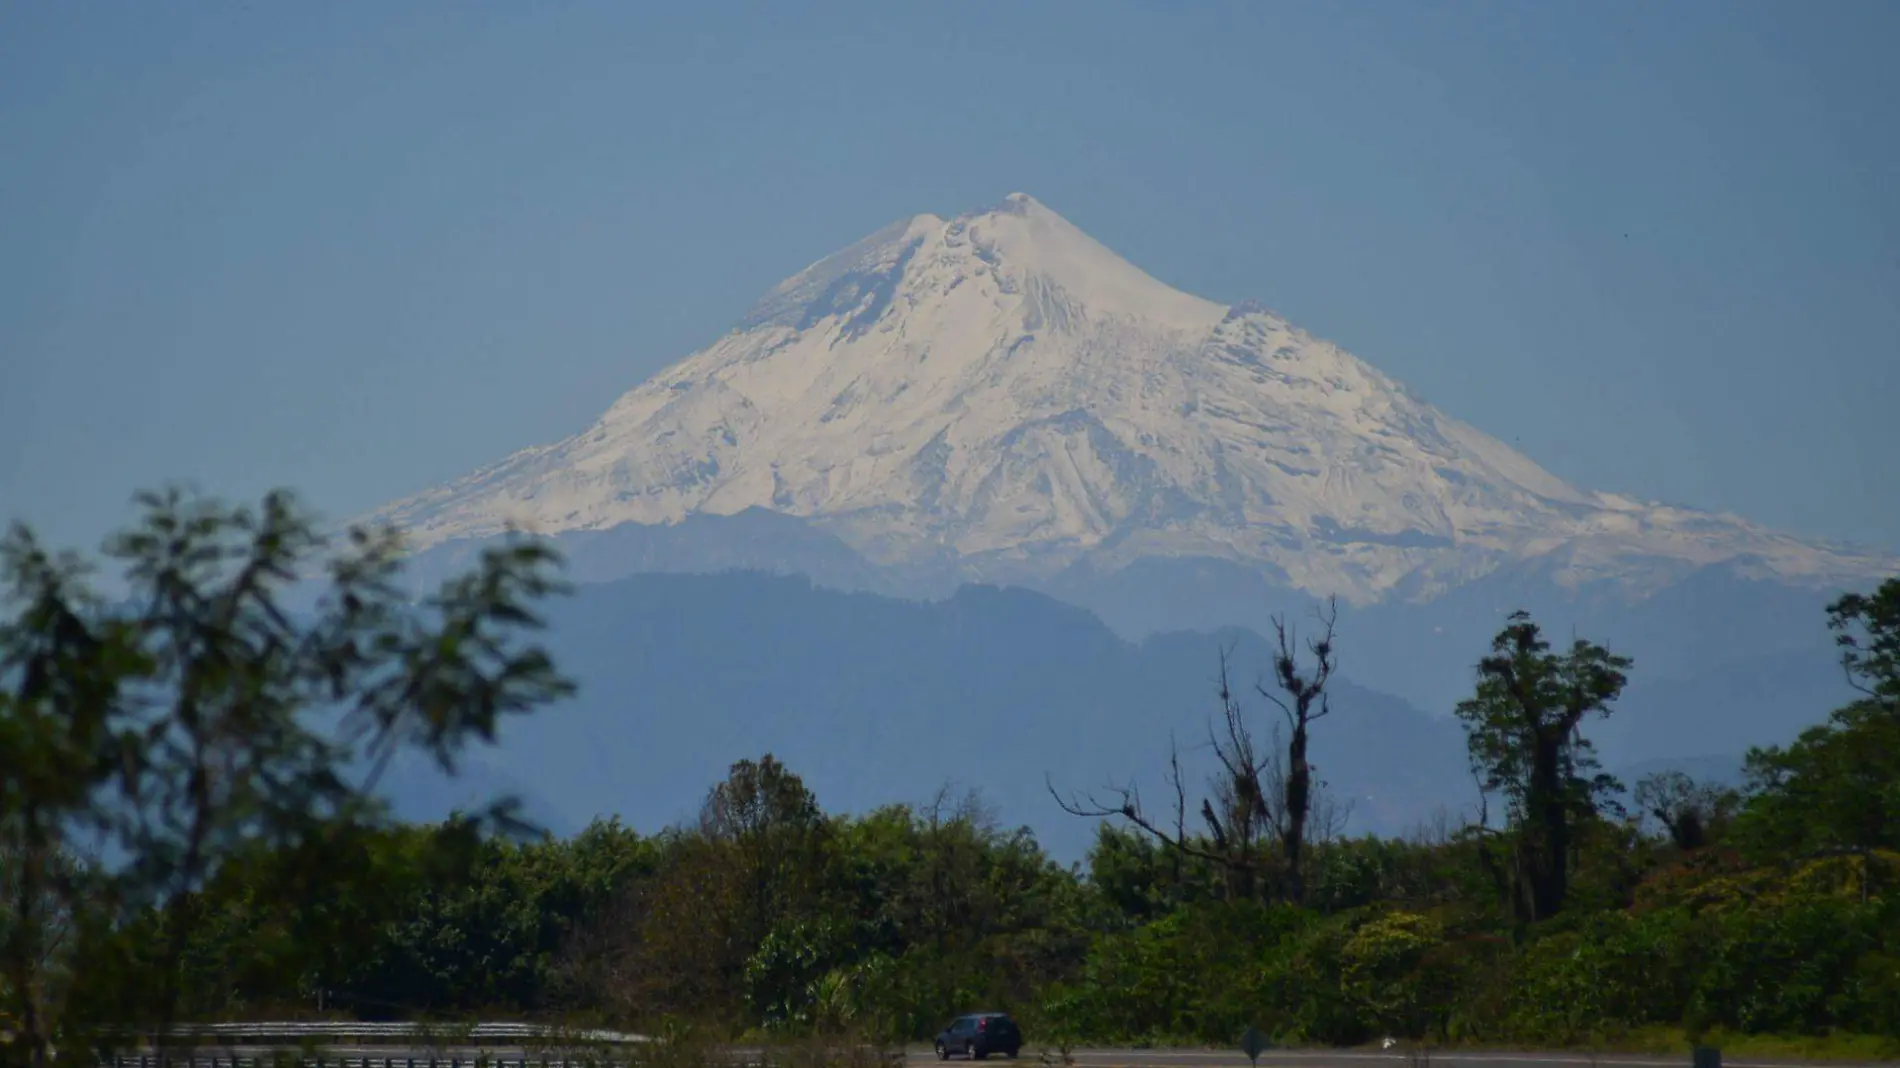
(1023, 236)
(1001, 395)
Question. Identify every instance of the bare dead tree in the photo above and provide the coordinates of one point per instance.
(1305, 700)
(1258, 799)
(1326, 815)
(1435, 830)
(1687, 810)
(1327, 819)
(1235, 817)
(948, 805)
(1238, 814)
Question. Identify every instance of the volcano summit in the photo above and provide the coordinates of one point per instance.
(1000, 398)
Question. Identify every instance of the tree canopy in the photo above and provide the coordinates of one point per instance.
(190, 831)
(152, 738)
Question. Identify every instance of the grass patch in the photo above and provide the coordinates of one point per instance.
(1675, 1042)
(1838, 1046)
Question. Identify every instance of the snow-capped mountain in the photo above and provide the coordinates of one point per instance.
(1001, 396)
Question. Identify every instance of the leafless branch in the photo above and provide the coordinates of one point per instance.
(1127, 806)
(1327, 820)
(1254, 799)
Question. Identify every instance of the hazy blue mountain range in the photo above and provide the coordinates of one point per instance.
(996, 399)
(876, 700)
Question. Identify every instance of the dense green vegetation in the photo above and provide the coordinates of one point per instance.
(176, 725)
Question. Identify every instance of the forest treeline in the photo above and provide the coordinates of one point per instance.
(191, 833)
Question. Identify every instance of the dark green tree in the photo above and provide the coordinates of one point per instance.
(1867, 629)
(195, 716)
(1523, 729)
(773, 833)
(1836, 788)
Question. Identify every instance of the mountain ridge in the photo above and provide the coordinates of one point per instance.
(998, 398)
(872, 700)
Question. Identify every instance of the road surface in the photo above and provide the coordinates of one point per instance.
(356, 1056)
(1172, 1058)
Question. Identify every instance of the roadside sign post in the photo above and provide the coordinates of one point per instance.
(1253, 1044)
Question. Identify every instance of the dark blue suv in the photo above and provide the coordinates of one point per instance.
(980, 1034)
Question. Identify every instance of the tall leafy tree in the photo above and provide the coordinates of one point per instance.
(1523, 729)
(1836, 788)
(195, 716)
(773, 832)
(1867, 629)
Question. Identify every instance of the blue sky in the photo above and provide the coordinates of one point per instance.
(358, 248)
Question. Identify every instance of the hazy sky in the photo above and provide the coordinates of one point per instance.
(358, 248)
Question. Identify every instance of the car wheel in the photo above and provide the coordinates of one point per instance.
(942, 1053)
(977, 1054)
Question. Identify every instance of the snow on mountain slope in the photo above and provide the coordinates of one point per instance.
(1000, 394)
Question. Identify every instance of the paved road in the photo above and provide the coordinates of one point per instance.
(920, 1056)
(1178, 1058)
(1124, 1058)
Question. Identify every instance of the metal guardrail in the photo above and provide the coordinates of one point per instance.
(477, 1032)
(411, 1045)
(358, 1061)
